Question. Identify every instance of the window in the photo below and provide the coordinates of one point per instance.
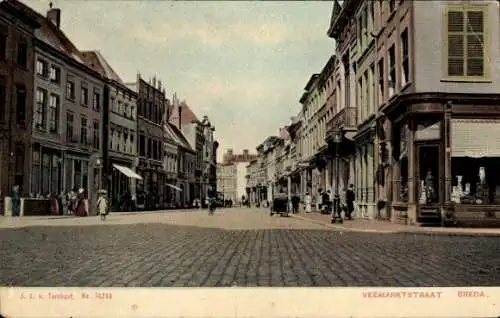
(125, 142)
(111, 136)
(55, 74)
(142, 144)
(3, 46)
(36, 171)
(83, 130)
(125, 110)
(405, 63)
(22, 54)
(132, 141)
(119, 107)
(84, 95)
(149, 149)
(113, 104)
(118, 140)
(41, 68)
(132, 112)
(96, 140)
(466, 42)
(69, 126)
(2, 101)
(41, 102)
(70, 90)
(381, 80)
(96, 105)
(21, 105)
(392, 5)
(54, 113)
(392, 70)
(360, 32)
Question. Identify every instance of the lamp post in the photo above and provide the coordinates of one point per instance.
(338, 134)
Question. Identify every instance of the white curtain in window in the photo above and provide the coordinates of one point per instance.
(475, 138)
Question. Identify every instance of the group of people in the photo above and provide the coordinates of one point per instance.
(325, 202)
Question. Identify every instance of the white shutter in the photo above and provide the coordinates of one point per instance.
(475, 138)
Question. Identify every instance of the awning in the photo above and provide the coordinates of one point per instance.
(127, 172)
(174, 187)
(475, 138)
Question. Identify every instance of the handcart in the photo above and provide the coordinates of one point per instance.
(280, 205)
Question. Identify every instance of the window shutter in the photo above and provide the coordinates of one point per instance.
(475, 43)
(456, 43)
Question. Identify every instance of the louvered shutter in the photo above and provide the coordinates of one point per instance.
(475, 43)
(456, 43)
(475, 138)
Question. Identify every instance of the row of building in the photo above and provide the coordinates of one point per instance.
(406, 109)
(67, 121)
(231, 175)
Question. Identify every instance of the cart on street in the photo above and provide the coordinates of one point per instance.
(279, 205)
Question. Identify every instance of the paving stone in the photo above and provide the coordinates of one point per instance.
(264, 252)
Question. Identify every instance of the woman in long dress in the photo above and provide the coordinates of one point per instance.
(81, 204)
(308, 201)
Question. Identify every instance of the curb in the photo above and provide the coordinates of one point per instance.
(409, 231)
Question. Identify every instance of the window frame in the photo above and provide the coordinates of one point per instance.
(404, 58)
(54, 112)
(486, 48)
(70, 128)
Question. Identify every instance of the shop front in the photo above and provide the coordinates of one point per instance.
(444, 157)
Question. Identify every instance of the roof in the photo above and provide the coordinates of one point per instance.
(311, 81)
(97, 62)
(180, 137)
(51, 35)
(187, 115)
(16, 8)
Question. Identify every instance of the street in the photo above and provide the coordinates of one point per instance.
(235, 247)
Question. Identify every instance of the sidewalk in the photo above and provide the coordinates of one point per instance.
(386, 227)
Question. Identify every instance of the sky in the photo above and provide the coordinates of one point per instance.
(243, 64)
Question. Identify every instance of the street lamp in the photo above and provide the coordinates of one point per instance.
(337, 135)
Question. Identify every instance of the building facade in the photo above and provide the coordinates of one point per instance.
(209, 174)
(227, 181)
(67, 119)
(119, 121)
(150, 117)
(16, 94)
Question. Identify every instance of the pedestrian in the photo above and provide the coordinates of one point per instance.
(295, 203)
(102, 204)
(349, 198)
(326, 202)
(15, 200)
(81, 204)
(319, 200)
(308, 201)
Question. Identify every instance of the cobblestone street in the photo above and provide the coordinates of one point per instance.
(243, 247)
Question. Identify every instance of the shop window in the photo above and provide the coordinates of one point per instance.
(36, 172)
(401, 157)
(45, 174)
(475, 180)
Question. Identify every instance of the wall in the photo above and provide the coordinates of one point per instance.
(430, 43)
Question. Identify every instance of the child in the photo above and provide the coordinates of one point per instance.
(102, 204)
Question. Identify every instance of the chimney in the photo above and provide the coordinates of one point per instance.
(180, 116)
(54, 16)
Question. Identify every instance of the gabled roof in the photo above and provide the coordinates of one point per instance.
(187, 115)
(97, 62)
(180, 137)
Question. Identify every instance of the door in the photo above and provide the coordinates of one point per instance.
(428, 182)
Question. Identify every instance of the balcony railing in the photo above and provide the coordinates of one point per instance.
(345, 119)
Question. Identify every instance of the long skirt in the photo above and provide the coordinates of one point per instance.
(81, 208)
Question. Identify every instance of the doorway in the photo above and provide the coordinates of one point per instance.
(428, 182)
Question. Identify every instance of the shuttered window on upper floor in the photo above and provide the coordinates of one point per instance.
(466, 30)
